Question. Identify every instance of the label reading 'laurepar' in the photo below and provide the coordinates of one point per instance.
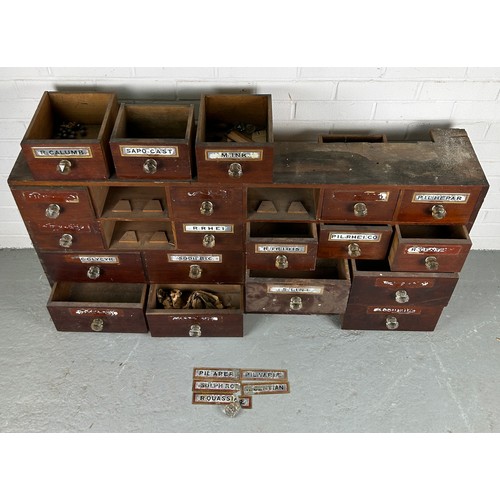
(47, 152)
(171, 151)
(440, 197)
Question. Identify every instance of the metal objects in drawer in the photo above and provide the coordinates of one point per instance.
(322, 291)
(281, 245)
(434, 248)
(68, 136)
(354, 241)
(153, 141)
(207, 310)
(234, 140)
(98, 307)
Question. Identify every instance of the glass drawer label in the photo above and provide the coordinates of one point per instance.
(208, 228)
(276, 388)
(233, 155)
(393, 310)
(48, 152)
(440, 197)
(247, 374)
(374, 237)
(98, 259)
(311, 290)
(195, 258)
(215, 385)
(281, 248)
(216, 373)
(171, 151)
(418, 250)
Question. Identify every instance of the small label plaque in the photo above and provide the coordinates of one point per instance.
(253, 374)
(420, 250)
(368, 237)
(208, 228)
(309, 290)
(440, 197)
(232, 155)
(210, 258)
(393, 310)
(215, 386)
(68, 152)
(97, 259)
(216, 374)
(144, 151)
(263, 388)
(280, 248)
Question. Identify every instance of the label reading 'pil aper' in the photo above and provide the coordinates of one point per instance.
(208, 228)
(368, 237)
(68, 152)
(269, 388)
(310, 290)
(210, 258)
(232, 155)
(171, 151)
(216, 373)
(440, 197)
(280, 248)
(254, 374)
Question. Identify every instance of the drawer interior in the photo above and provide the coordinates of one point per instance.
(153, 121)
(454, 232)
(122, 293)
(330, 269)
(130, 235)
(282, 230)
(371, 265)
(282, 203)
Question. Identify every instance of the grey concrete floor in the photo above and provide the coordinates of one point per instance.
(341, 381)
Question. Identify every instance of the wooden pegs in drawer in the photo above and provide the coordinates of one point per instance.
(236, 136)
(122, 206)
(259, 136)
(296, 207)
(129, 237)
(267, 207)
(153, 206)
(159, 237)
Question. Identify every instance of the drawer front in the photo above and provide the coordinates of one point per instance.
(200, 236)
(150, 161)
(73, 162)
(206, 324)
(361, 205)
(354, 242)
(72, 236)
(278, 253)
(98, 317)
(207, 202)
(381, 317)
(432, 249)
(432, 289)
(449, 205)
(235, 164)
(92, 267)
(54, 205)
(296, 296)
(191, 267)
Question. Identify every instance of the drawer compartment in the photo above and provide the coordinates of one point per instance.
(374, 279)
(286, 204)
(359, 205)
(93, 267)
(234, 140)
(200, 236)
(322, 291)
(68, 136)
(64, 205)
(436, 248)
(138, 235)
(381, 317)
(73, 236)
(99, 307)
(443, 205)
(179, 320)
(192, 267)
(281, 245)
(207, 202)
(354, 242)
(153, 141)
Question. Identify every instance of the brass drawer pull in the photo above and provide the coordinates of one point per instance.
(66, 240)
(235, 170)
(391, 323)
(64, 167)
(206, 208)
(209, 241)
(150, 166)
(195, 331)
(94, 272)
(353, 250)
(281, 262)
(194, 271)
(295, 303)
(438, 212)
(53, 211)
(402, 296)
(360, 210)
(97, 325)
(431, 263)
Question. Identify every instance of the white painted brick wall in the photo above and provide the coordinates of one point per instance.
(403, 103)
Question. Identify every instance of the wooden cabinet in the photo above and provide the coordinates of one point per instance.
(145, 200)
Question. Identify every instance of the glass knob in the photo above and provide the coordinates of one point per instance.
(150, 166)
(194, 271)
(295, 303)
(431, 263)
(195, 331)
(207, 208)
(93, 272)
(438, 212)
(281, 262)
(53, 211)
(66, 240)
(209, 241)
(353, 250)
(64, 167)
(235, 170)
(360, 210)
(391, 323)
(402, 297)
(97, 325)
